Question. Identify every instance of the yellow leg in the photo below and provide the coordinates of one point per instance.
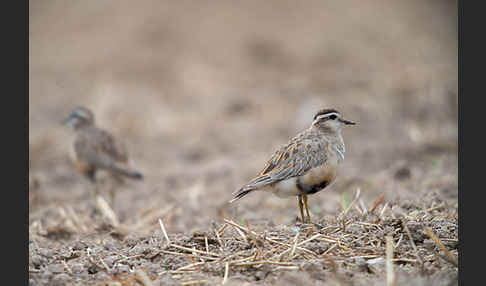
(115, 184)
(304, 199)
(94, 194)
(95, 189)
(301, 208)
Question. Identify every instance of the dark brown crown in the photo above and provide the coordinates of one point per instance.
(325, 111)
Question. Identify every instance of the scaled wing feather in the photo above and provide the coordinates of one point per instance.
(295, 159)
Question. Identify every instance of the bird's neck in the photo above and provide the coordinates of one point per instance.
(333, 136)
(83, 126)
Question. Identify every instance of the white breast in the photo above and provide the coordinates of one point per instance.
(72, 153)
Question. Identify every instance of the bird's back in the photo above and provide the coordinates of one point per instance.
(304, 152)
(97, 147)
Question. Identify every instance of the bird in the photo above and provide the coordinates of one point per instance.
(307, 164)
(96, 149)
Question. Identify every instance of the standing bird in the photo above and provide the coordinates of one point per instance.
(96, 149)
(306, 165)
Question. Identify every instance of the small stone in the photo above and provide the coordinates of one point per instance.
(78, 245)
(77, 268)
(37, 260)
(102, 276)
(56, 268)
(123, 268)
(111, 259)
(60, 279)
(46, 252)
(260, 275)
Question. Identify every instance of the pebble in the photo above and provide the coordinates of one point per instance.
(56, 268)
(60, 279)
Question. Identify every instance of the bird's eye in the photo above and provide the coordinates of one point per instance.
(332, 117)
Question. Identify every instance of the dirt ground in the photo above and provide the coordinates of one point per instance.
(202, 93)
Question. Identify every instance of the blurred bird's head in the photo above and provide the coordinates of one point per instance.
(79, 117)
(330, 120)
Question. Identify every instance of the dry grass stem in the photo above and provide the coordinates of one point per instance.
(376, 203)
(232, 223)
(330, 249)
(364, 210)
(241, 234)
(187, 255)
(265, 262)
(66, 221)
(162, 227)
(253, 238)
(358, 209)
(399, 240)
(108, 270)
(77, 220)
(296, 239)
(206, 243)
(222, 229)
(189, 266)
(311, 238)
(356, 197)
(238, 229)
(435, 239)
(404, 223)
(287, 268)
(218, 239)
(434, 208)
(390, 273)
(385, 207)
(194, 282)
(107, 211)
(194, 250)
(226, 270)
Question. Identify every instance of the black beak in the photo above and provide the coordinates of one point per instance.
(66, 120)
(347, 122)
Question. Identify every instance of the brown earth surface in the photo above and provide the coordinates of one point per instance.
(202, 93)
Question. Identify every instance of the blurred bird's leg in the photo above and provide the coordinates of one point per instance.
(94, 193)
(112, 195)
(94, 188)
(115, 183)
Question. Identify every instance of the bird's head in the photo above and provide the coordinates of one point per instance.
(330, 120)
(79, 117)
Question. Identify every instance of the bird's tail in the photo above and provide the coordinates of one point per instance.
(127, 172)
(239, 194)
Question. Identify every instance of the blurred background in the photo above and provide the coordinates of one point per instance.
(202, 93)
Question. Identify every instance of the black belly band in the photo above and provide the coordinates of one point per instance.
(311, 189)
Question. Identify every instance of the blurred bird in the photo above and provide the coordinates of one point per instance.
(306, 165)
(96, 149)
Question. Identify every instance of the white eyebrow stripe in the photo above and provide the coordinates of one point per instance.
(327, 115)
